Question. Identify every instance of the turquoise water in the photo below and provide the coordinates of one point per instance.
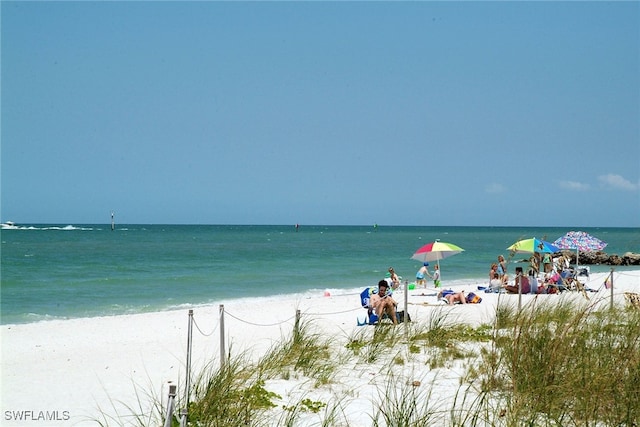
(83, 271)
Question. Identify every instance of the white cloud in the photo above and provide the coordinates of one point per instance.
(617, 182)
(495, 188)
(574, 186)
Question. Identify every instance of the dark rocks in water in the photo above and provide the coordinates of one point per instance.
(602, 258)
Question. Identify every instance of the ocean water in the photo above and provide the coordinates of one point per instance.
(51, 272)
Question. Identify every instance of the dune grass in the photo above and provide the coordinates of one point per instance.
(305, 353)
(229, 396)
(565, 364)
(559, 364)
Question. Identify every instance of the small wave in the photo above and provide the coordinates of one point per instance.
(69, 228)
(34, 317)
(31, 227)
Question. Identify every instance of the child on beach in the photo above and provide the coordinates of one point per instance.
(436, 276)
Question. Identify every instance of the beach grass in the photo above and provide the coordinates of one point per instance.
(229, 395)
(566, 363)
(562, 363)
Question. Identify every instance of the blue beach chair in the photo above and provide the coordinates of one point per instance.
(365, 296)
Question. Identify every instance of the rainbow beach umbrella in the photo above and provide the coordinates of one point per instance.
(533, 245)
(435, 251)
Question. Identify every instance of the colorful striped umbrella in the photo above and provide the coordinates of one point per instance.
(529, 246)
(435, 251)
(580, 241)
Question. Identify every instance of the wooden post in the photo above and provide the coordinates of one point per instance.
(183, 418)
(170, 406)
(187, 391)
(611, 284)
(519, 279)
(296, 327)
(223, 358)
(406, 302)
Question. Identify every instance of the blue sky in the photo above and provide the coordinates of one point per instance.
(396, 113)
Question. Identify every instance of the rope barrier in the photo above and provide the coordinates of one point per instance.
(335, 312)
(200, 330)
(259, 324)
(621, 273)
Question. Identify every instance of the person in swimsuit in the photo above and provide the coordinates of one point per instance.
(424, 271)
(502, 268)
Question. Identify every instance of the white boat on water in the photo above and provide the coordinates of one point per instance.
(9, 225)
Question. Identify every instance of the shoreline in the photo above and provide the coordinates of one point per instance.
(80, 369)
(312, 292)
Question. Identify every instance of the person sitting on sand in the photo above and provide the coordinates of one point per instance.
(452, 297)
(392, 279)
(495, 284)
(382, 303)
(424, 271)
(520, 282)
(493, 271)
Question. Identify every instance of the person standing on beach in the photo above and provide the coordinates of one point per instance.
(547, 263)
(534, 262)
(424, 271)
(502, 268)
(436, 276)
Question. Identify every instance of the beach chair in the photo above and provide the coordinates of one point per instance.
(567, 279)
(365, 296)
(583, 271)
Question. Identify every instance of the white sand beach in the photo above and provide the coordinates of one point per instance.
(74, 372)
